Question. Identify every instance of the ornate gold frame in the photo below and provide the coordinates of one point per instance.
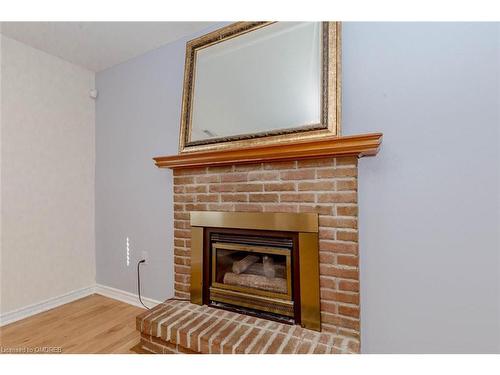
(330, 97)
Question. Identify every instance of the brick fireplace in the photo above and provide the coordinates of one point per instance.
(326, 186)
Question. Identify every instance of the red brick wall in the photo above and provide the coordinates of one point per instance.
(327, 186)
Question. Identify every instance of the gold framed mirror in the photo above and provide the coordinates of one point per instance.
(261, 83)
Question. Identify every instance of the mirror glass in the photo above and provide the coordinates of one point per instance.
(266, 81)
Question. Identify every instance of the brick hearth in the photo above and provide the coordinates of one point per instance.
(182, 327)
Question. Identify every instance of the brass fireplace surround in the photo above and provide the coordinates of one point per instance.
(304, 224)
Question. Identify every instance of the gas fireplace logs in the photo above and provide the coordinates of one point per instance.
(258, 269)
(241, 265)
(270, 284)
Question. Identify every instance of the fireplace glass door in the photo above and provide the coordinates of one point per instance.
(258, 277)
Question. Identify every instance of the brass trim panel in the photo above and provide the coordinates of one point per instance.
(306, 224)
(196, 285)
(290, 222)
(309, 281)
(252, 301)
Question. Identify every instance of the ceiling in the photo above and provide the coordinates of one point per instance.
(98, 45)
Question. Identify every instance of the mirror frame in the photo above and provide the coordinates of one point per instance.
(330, 93)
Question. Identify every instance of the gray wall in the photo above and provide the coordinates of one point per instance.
(137, 118)
(429, 203)
(429, 207)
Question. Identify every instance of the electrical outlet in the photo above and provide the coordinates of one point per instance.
(145, 256)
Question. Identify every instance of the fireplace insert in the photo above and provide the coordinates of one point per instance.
(261, 264)
(254, 273)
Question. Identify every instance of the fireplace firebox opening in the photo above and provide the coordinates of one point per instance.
(253, 272)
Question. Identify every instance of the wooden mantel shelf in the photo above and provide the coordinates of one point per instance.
(353, 145)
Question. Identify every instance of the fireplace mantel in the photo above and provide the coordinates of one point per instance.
(353, 145)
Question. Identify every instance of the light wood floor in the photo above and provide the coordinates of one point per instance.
(94, 324)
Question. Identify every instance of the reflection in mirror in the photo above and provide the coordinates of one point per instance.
(262, 81)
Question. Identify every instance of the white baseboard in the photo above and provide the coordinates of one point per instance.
(103, 290)
(123, 296)
(25, 312)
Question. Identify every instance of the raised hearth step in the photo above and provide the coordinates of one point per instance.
(182, 327)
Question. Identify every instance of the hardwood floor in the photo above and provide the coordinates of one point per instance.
(94, 324)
